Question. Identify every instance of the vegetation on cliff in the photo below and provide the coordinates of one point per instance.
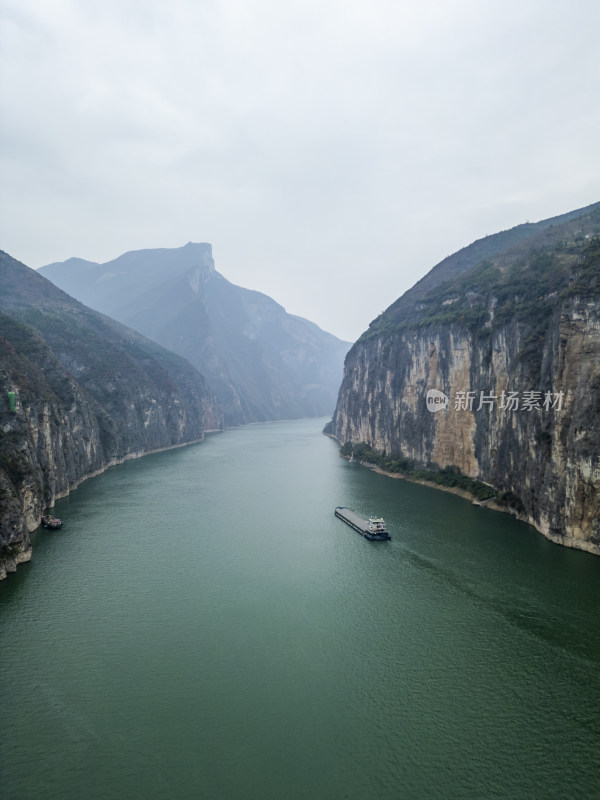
(525, 281)
(448, 477)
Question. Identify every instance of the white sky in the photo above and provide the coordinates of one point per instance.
(332, 151)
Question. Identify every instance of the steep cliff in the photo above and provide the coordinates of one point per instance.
(513, 342)
(78, 392)
(262, 362)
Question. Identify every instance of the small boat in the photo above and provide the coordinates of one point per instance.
(51, 522)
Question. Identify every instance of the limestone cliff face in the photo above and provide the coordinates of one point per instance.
(88, 393)
(48, 444)
(477, 344)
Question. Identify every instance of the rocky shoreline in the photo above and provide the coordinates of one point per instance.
(19, 551)
(492, 505)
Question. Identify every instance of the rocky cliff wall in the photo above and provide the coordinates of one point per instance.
(88, 393)
(59, 435)
(542, 449)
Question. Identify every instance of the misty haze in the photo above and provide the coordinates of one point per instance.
(299, 400)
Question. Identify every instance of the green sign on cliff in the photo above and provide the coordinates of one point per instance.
(12, 401)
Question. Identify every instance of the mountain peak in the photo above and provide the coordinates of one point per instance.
(201, 250)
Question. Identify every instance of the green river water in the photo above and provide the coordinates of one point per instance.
(204, 627)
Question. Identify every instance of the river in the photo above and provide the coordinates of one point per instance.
(204, 627)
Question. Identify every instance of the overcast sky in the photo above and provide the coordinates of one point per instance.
(332, 151)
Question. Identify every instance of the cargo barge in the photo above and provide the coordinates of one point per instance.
(372, 528)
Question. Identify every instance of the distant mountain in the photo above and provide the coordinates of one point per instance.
(78, 392)
(263, 363)
(506, 335)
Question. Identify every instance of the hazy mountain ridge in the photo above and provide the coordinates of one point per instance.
(262, 362)
(89, 393)
(524, 319)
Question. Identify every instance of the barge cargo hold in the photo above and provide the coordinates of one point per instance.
(372, 529)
